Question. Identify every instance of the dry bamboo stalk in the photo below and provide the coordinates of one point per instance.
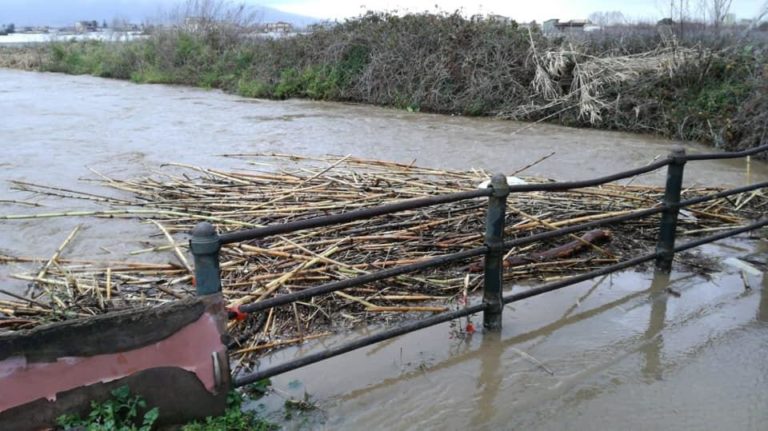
(178, 201)
(23, 203)
(57, 253)
(552, 227)
(281, 343)
(108, 284)
(109, 213)
(383, 309)
(176, 249)
(355, 299)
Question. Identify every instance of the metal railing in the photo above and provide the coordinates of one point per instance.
(206, 243)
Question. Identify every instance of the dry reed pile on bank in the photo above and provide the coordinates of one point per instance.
(63, 287)
(570, 79)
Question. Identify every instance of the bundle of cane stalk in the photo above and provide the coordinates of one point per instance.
(65, 287)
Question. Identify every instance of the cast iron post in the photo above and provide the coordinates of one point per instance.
(668, 224)
(494, 240)
(205, 245)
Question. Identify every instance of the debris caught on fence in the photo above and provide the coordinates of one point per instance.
(280, 188)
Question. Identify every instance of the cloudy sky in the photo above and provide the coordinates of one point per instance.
(66, 11)
(521, 10)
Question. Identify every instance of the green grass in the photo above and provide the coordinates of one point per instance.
(127, 412)
(120, 413)
(233, 419)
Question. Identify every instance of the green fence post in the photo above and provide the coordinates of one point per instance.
(494, 240)
(668, 224)
(205, 245)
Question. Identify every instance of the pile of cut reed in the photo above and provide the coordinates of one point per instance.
(302, 187)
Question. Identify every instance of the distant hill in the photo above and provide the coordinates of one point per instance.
(66, 12)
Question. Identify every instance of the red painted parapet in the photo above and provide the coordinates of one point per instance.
(174, 356)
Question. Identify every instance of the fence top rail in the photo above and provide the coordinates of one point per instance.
(466, 254)
(365, 213)
(411, 204)
(731, 155)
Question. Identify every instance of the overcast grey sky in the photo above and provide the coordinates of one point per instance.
(521, 10)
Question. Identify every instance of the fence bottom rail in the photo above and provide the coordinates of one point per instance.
(445, 317)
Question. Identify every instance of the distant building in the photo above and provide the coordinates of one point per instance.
(548, 27)
(500, 18)
(278, 27)
(729, 19)
(555, 26)
(86, 26)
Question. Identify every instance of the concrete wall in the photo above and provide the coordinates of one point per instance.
(174, 356)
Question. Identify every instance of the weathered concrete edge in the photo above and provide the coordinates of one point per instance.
(104, 333)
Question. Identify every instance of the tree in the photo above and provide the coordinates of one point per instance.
(762, 13)
(718, 10)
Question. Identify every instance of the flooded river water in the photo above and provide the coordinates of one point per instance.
(616, 353)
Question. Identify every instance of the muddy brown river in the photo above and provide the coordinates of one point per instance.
(613, 353)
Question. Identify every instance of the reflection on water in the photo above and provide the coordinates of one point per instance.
(599, 355)
(762, 312)
(652, 369)
(489, 381)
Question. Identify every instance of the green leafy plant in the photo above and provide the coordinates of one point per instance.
(120, 413)
(233, 419)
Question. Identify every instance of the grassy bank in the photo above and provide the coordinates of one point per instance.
(710, 89)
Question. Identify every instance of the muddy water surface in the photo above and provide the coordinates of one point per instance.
(624, 355)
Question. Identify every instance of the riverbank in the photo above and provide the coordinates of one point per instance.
(711, 91)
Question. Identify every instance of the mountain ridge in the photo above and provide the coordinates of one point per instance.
(67, 12)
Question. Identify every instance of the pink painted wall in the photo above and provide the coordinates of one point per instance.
(190, 349)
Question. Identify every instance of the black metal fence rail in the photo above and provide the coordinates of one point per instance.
(448, 316)
(475, 252)
(205, 245)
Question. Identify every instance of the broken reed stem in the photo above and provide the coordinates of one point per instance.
(176, 249)
(281, 343)
(57, 253)
(312, 186)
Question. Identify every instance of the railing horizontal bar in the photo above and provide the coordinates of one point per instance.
(365, 213)
(626, 264)
(445, 317)
(626, 217)
(430, 263)
(555, 187)
(357, 344)
(363, 279)
(441, 260)
(732, 155)
(411, 204)
(729, 233)
(579, 227)
(248, 234)
(722, 194)
(578, 278)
